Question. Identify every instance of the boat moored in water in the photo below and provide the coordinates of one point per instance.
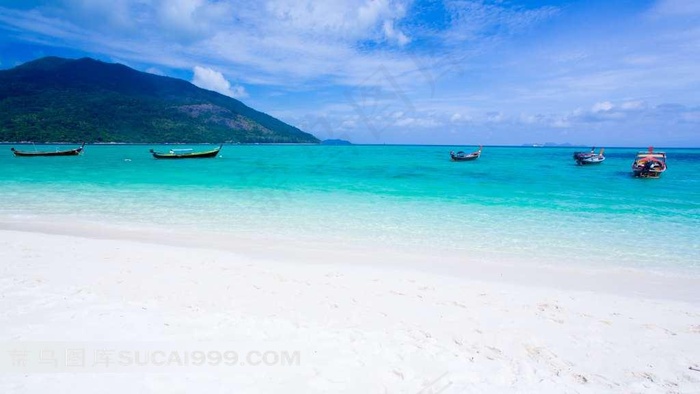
(463, 156)
(68, 152)
(591, 157)
(186, 154)
(649, 164)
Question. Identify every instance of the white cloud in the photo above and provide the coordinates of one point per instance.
(602, 106)
(209, 79)
(114, 14)
(371, 11)
(418, 122)
(561, 123)
(472, 19)
(332, 20)
(395, 35)
(634, 105)
(239, 91)
(465, 64)
(189, 21)
(277, 42)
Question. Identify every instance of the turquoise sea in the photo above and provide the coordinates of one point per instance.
(520, 203)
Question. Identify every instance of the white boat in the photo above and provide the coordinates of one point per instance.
(591, 157)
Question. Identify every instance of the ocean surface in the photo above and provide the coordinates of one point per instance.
(519, 203)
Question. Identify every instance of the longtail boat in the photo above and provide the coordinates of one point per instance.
(649, 164)
(589, 157)
(69, 152)
(186, 154)
(462, 156)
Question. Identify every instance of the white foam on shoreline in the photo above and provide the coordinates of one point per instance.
(497, 266)
(544, 236)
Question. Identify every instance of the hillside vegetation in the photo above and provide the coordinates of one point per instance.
(56, 99)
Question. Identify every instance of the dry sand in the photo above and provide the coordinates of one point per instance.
(345, 320)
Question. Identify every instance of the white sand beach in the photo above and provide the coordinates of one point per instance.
(353, 320)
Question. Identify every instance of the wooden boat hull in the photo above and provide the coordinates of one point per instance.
(647, 171)
(465, 158)
(461, 156)
(590, 160)
(638, 173)
(649, 164)
(189, 155)
(584, 158)
(69, 152)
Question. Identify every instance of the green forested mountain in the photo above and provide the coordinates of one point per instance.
(55, 99)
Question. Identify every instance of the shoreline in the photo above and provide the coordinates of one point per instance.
(373, 326)
(492, 267)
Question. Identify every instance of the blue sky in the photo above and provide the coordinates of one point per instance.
(604, 73)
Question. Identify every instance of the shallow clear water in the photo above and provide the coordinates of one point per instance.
(532, 203)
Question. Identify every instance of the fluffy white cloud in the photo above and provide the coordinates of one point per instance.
(209, 79)
(276, 42)
(346, 20)
(446, 62)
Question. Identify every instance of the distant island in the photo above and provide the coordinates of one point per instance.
(85, 100)
(336, 142)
